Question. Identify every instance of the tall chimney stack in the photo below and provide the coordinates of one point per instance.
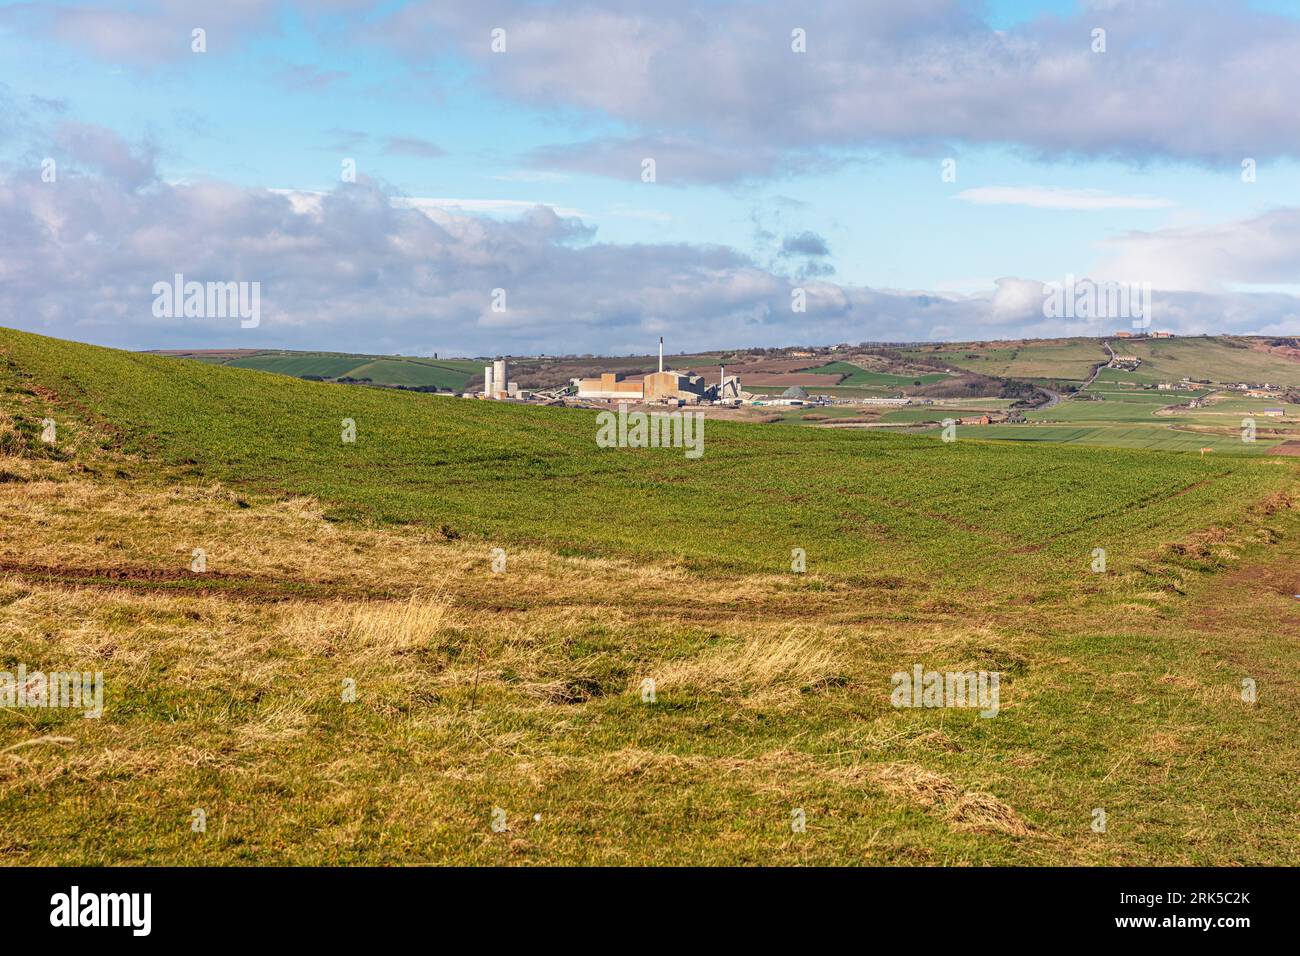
(661, 353)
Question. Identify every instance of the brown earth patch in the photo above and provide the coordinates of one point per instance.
(208, 583)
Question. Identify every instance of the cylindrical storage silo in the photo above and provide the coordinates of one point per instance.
(499, 375)
(488, 391)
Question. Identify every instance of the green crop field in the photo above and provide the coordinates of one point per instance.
(418, 372)
(856, 375)
(497, 590)
(452, 374)
(1114, 407)
(937, 413)
(480, 468)
(1056, 359)
(330, 366)
(1221, 359)
(1164, 438)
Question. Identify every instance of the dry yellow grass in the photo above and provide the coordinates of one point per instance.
(523, 690)
(760, 662)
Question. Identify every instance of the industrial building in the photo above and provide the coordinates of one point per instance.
(495, 383)
(669, 387)
(610, 387)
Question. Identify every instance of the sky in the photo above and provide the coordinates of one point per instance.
(471, 178)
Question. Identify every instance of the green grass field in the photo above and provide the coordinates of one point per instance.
(1057, 359)
(522, 688)
(382, 370)
(535, 474)
(1162, 438)
(856, 375)
(1223, 358)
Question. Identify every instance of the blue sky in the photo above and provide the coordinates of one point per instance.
(283, 95)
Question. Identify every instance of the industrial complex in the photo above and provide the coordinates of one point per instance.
(662, 387)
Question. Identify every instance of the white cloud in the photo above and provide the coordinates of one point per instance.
(309, 201)
(722, 98)
(1261, 251)
(492, 207)
(345, 269)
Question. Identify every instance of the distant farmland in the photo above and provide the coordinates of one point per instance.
(453, 374)
(1228, 358)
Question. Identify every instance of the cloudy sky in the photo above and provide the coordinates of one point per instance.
(919, 168)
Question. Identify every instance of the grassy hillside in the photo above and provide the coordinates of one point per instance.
(520, 688)
(382, 370)
(1221, 358)
(1055, 359)
(1224, 359)
(856, 375)
(871, 504)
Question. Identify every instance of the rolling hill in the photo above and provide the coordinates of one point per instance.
(472, 636)
(1225, 358)
(873, 503)
(397, 370)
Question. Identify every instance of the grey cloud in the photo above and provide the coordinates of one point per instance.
(413, 146)
(350, 268)
(1181, 79)
(804, 244)
(98, 148)
(150, 33)
(678, 161)
(144, 34)
(718, 93)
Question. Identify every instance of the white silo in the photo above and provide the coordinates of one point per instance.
(499, 376)
(487, 381)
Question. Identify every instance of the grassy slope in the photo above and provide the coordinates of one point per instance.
(417, 372)
(383, 370)
(521, 689)
(1224, 359)
(856, 375)
(866, 503)
(1060, 359)
(331, 366)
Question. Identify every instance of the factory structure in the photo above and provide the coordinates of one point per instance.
(662, 387)
(496, 385)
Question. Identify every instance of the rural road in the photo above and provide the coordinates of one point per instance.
(1056, 399)
(1053, 398)
(1096, 370)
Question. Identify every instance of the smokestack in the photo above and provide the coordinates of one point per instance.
(487, 381)
(499, 374)
(661, 353)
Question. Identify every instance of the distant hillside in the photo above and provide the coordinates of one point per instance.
(1219, 358)
(392, 370)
